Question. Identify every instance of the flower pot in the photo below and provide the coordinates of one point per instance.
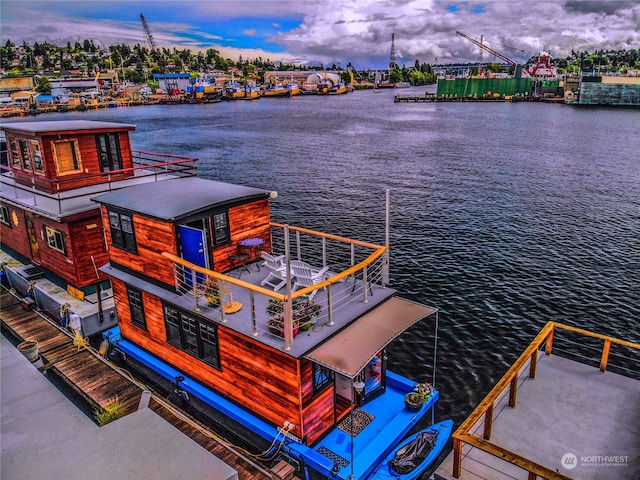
(413, 402)
(30, 350)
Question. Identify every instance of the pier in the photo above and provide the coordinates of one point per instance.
(40, 424)
(552, 417)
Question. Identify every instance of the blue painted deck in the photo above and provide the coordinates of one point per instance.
(392, 421)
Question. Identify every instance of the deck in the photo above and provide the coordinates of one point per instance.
(570, 421)
(96, 381)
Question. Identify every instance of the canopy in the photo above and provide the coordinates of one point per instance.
(349, 351)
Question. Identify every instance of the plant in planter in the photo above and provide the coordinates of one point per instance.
(303, 309)
(420, 394)
(212, 292)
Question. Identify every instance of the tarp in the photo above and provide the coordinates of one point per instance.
(352, 349)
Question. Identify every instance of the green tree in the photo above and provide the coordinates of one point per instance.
(43, 85)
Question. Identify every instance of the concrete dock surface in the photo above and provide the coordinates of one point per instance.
(45, 436)
(571, 418)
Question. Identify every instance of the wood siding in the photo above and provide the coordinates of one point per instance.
(264, 380)
(250, 220)
(318, 411)
(16, 236)
(81, 243)
(152, 238)
(88, 159)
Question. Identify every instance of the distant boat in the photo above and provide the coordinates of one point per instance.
(442, 433)
(236, 91)
(277, 90)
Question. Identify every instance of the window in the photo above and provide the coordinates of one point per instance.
(109, 152)
(122, 235)
(55, 239)
(24, 155)
(136, 307)
(4, 216)
(192, 335)
(221, 232)
(67, 156)
(322, 376)
(38, 166)
(15, 153)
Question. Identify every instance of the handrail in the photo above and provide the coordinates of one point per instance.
(462, 435)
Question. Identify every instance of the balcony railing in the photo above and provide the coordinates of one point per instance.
(355, 270)
(510, 381)
(148, 166)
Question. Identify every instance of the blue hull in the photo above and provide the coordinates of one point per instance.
(384, 471)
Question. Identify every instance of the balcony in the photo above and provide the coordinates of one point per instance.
(354, 283)
(54, 197)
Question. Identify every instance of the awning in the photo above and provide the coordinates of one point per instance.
(352, 349)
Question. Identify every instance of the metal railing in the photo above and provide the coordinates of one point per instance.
(146, 165)
(463, 434)
(354, 268)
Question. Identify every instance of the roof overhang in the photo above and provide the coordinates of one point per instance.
(351, 350)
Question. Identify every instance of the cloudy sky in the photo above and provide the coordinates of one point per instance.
(334, 31)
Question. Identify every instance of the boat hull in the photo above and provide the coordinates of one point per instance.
(384, 470)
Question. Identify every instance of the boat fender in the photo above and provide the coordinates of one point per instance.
(64, 310)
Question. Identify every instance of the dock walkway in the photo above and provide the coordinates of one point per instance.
(60, 441)
(570, 421)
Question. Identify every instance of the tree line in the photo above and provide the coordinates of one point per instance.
(138, 63)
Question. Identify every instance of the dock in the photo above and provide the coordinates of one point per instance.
(60, 441)
(553, 417)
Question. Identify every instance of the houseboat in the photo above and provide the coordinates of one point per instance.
(280, 329)
(52, 235)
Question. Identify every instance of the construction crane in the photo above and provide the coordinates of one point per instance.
(171, 84)
(495, 53)
(147, 33)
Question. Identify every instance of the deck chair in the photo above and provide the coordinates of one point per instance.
(306, 276)
(277, 277)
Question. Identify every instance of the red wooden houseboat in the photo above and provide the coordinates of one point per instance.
(52, 234)
(279, 328)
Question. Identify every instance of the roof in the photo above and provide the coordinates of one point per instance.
(173, 200)
(43, 128)
(351, 350)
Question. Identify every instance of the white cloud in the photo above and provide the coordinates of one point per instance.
(341, 31)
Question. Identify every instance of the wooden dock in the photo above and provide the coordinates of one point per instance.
(98, 381)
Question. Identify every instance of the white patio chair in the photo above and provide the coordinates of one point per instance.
(305, 275)
(277, 277)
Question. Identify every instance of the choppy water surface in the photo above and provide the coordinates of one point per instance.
(505, 216)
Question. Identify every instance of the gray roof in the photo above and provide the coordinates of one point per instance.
(173, 200)
(61, 125)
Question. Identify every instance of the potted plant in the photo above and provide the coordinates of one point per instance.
(304, 310)
(211, 289)
(418, 396)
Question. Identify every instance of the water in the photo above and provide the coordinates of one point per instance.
(504, 216)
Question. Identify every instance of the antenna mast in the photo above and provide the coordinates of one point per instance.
(392, 58)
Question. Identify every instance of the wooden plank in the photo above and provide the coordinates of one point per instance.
(208, 440)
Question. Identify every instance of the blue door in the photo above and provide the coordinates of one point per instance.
(192, 247)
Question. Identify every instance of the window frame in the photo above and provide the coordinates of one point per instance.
(120, 237)
(109, 152)
(220, 228)
(5, 216)
(75, 153)
(199, 339)
(55, 239)
(25, 156)
(36, 154)
(320, 384)
(136, 307)
(15, 153)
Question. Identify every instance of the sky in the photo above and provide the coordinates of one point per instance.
(339, 32)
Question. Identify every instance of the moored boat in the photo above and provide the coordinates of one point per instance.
(51, 230)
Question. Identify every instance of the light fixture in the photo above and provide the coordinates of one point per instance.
(359, 386)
